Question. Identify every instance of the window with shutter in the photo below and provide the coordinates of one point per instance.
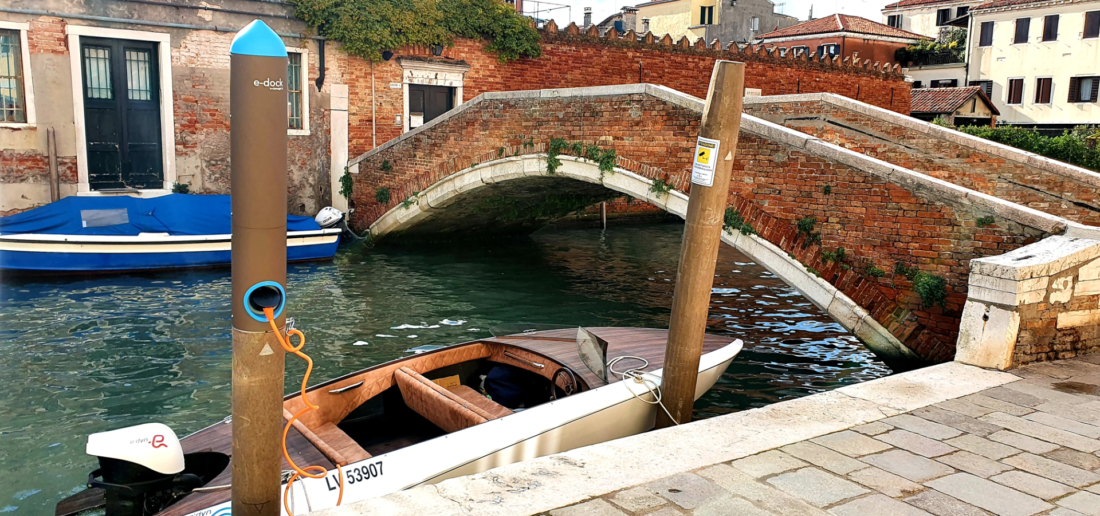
(1015, 91)
(1043, 87)
(1023, 28)
(986, 86)
(1084, 89)
(1092, 24)
(1050, 28)
(942, 17)
(987, 35)
(894, 20)
(962, 11)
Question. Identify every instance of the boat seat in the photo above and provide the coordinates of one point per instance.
(490, 407)
(449, 411)
(331, 441)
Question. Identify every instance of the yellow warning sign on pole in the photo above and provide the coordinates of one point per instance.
(706, 157)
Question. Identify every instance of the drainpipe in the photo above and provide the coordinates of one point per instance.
(373, 119)
(55, 182)
(320, 64)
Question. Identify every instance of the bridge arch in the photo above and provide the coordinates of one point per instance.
(442, 202)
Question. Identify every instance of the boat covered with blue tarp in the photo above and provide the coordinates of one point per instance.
(122, 233)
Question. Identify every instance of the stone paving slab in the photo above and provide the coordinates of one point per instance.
(904, 446)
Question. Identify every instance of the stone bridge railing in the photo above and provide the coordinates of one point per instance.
(882, 214)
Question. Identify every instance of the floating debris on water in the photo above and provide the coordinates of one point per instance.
(449, 322)
(412, 336)
(27, 493)
(54, 444)
(425, 348)
(361, 343)
(421, 326)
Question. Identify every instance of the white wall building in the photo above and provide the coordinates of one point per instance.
(1038, 60)
(925, 17)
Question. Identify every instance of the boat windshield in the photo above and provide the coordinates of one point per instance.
(593, 352)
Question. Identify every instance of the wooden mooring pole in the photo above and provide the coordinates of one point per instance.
(712, 164)
(257, 104)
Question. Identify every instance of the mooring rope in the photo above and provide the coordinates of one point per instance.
(638, 375)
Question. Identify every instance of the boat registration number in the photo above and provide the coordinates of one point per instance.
(358, 474)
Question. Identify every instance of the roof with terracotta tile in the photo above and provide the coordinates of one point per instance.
(917, 3)
(945, 100)
(841, 23)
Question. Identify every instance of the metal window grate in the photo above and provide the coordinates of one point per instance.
(294, 91)
(139, 81)
(97, 73)
(11, 78)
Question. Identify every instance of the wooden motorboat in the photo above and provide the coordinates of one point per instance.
(425, 418)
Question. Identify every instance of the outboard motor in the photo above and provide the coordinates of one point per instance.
(328, 217)
(141, 469)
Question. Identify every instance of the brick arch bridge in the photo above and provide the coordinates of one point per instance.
(482, 166)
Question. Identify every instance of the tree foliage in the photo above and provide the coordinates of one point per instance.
(1076, 147)
(369, 27)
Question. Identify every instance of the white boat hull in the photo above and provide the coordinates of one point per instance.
(595, 416)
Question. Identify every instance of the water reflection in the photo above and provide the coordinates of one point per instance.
(79, 356)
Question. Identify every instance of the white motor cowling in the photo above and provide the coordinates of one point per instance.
(152, 445)
(328, 217)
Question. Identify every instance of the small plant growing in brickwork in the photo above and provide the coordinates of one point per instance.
(845, 267)
(835, 256)
(382, 196)
(386, 167)
(733, 221)
(984, 222)
(660, 186)
(184, 188)
(828, 190)
(407, 203)
(346, 184)
(813, 271)
(931, 288)
(500, 152)
(577, 149)
(552, 151)
(875, 272)
(805, 227)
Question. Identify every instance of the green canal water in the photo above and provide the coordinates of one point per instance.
(85, 355)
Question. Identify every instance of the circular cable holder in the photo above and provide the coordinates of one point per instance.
(265, 294)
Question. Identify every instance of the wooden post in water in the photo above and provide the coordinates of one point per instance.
(257, 105)
(712, 164)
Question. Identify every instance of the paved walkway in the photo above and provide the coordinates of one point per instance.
(1026, 447)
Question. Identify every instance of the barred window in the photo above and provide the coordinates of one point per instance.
(294, 90)
(12, 102)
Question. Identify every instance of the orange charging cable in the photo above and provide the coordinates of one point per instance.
(270, 313)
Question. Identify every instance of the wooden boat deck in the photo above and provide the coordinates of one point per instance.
(559, 345)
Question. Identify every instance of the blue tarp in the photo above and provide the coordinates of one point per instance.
(174, 214)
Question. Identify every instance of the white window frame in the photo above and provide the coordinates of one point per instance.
(167, 116)
(1051, 77)
(25, 65)
(1023, 91)
(304, 131)
(453, 76)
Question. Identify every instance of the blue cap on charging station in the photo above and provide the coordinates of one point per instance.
(257, 39)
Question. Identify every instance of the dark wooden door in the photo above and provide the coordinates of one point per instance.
(428, 102)
(122, 113)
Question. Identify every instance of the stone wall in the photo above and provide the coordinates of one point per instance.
(1041, 302)
(881, 214)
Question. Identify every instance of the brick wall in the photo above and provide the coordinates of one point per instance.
(47, 36)
(951, 161)
(877, 222)
(574, 60)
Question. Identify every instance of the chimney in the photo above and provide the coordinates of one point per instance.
(587, 17)
(630, 19)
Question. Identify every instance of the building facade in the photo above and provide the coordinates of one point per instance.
(1038, 61)
(965, 105)
(926, 17)
(729, 21)
(136, 97)
(841, 35)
